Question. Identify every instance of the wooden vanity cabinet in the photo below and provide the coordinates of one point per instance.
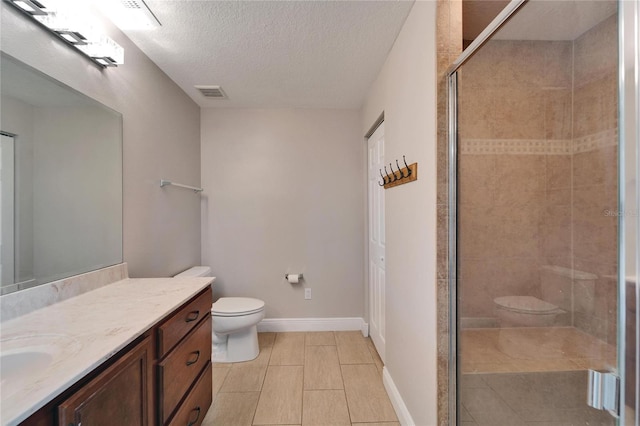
(162, 378)
(122, 394)
(184, 351)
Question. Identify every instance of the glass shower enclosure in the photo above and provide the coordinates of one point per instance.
(537, 185)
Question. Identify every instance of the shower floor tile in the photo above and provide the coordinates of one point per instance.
(508, 350)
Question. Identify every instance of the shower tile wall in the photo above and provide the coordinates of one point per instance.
(514, 170)
(537, 174)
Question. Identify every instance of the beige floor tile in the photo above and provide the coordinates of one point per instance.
(377, 424)
(288, 349)
(346, 337)
(325, 408)
(262, 359)
(246, 379)
(367, 399)
(468, 381)
(266, 339)
(322, 368)
(323, 338)
(352, 348)
(281, 397)
(219, 375)
(232, 409)
(464, 415)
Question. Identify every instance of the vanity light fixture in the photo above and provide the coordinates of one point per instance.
(31, 7)
(71, 21)
(129, 14)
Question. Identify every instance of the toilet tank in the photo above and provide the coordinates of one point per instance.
(196, 271)
(560, 285)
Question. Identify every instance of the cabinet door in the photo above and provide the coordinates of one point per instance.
(120, 395)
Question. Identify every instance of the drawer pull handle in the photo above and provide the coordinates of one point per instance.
(193, 315)
(193, 422)
(197, 354)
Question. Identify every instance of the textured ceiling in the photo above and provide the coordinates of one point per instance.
(316, 54)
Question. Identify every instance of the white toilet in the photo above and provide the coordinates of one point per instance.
(235, 335)
(558, 287)
(525, 311)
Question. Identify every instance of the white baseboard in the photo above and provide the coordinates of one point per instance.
(404, 417)
(312, 324)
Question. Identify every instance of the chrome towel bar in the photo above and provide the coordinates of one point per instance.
(164, 183)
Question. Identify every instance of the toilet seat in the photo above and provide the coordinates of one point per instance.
(236, 306)
(526, 304)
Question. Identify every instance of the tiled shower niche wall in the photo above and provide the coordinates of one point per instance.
(538, 178)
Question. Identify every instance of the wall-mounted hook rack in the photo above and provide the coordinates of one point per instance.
(407, 174)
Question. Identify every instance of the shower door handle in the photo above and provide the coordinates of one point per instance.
(604, 391)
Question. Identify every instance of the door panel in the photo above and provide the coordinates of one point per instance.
(375, 146)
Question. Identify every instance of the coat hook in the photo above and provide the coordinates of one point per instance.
(387, 173)
(395, 178)
(383, 179)
(402, 176)
(408, 168)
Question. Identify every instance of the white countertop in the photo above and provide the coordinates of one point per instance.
(85, 331)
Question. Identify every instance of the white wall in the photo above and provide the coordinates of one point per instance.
(406, 91)
(161, 140)
(284, 193)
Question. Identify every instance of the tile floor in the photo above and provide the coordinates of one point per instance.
(501, 350)
(320, 378)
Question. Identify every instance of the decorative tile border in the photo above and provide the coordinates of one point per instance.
(606, 138)
(514, 147)
(596, 141)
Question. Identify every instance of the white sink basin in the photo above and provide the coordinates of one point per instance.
(24, 359)
(17, 364)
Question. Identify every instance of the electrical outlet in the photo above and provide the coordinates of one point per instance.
(307, 294)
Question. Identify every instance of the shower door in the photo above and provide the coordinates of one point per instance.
(536, 211)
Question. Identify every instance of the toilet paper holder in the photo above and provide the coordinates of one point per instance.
(300, 277)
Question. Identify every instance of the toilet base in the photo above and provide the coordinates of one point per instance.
(508, 318)
(239, 346)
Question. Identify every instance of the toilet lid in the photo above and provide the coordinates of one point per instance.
(233, 306)
(524, 304)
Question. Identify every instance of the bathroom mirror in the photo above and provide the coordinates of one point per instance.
(60, 180)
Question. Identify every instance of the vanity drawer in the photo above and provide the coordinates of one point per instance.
(178, 371)
(176, 327)
(195, 407)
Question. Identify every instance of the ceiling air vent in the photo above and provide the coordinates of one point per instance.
(214, 92)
